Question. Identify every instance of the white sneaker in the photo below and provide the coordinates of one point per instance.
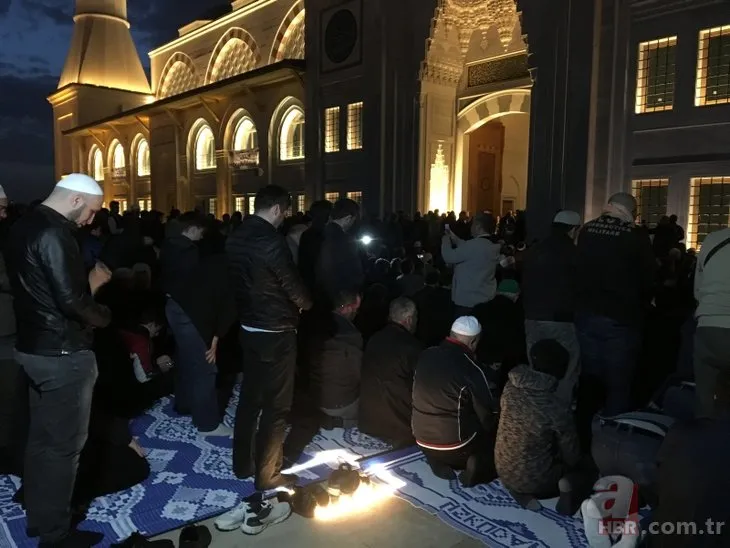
(233, 519)
(265, 514)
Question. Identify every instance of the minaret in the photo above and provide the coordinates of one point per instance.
(102, 52)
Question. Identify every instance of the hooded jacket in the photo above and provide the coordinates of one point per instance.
(536, 439)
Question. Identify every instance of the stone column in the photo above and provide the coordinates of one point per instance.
(560, 36)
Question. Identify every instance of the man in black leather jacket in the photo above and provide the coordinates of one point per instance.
(269, 293)
(55, 314)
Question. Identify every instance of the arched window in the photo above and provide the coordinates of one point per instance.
(204, 149)
(143, 159)
(245, 137)
(119, 170)
(291, 135)
(97, 164)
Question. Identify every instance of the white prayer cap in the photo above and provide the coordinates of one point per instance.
(467, 326)
(78, 182)
(2, 193)
(567, 217)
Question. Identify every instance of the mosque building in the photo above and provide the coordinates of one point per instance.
(408, 105)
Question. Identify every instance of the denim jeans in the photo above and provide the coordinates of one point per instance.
(269, 365)
(564, 333)
(195, 378)
(61, 389)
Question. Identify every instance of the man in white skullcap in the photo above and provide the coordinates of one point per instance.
(456, 407)
(548, 294)
(56, 313)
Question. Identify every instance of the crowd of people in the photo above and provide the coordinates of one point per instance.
(497, 359)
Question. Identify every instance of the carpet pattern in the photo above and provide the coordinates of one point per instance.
(486, 512)
(191, 480)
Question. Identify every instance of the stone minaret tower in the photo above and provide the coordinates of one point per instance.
(102, 51)
(103, 76)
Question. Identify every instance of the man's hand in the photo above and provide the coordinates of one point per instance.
(210, 354)
(137, 448)
(98, 277)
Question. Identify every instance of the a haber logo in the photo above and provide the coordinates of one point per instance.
(611, 515)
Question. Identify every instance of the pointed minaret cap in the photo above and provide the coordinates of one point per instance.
(102, 50)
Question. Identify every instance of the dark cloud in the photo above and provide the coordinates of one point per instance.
(4, 7)
(58, 11)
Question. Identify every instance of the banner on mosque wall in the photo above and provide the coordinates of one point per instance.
(245, 159)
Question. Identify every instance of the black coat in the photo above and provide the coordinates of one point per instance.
(54, 309)
(179, 258)
(339, 267)
(549, 279)
(336, 361)
(435, 314)
(310, 245)
(388, 366)
(268, 289)
(453, 398)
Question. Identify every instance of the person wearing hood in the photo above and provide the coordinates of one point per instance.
(537, 443)
(615, 280)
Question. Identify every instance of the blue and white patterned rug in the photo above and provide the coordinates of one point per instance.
(485, 512)
(191, 480)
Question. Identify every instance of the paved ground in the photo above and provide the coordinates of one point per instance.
(394, 523)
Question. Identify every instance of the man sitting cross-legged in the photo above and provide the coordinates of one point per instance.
(387, 376)
(455, 407)
(537, 443)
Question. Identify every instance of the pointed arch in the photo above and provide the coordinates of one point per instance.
(235, 53)
(494, 105)
(290, 38)
(177, 77)
(202, 147)
(117, 159)
(140, 156)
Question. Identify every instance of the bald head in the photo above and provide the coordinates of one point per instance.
(77, 197)
(403, 312)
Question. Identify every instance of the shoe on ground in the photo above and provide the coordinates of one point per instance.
(265, 514)
(75, 539)
(222, 431)
(234, 518)
(528, 502)
(139, 541)
(195, 536)
(282, 480)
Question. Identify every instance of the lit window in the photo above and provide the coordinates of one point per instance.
(212, 206)
(355, 197)
(354, 126)
(332, 129)
(651, 198)
(245, 137)
(332, 196)
(291, 137)
(119, 170)
(97, 164)
(205, 149)
(655, 75)
(713, 67)
(240, 204)
(301, 203)
(709, 208)
(251, 204)
(143, 159)
(144, 204)
(122, 206)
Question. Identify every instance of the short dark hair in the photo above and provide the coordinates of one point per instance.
(320, 211)
(433, 277)
(191, 219)
(485, 221)
(550, 357)
(270, 196)
(344, 208)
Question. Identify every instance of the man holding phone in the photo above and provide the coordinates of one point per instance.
(475, 264)
(56, 312)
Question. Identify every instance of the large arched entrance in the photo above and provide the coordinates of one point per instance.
(475, 105)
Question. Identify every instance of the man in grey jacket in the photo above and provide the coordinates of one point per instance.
(712, 339)
(475, 264)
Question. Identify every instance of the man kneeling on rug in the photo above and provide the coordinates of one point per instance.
(456, 407)
(537, 452)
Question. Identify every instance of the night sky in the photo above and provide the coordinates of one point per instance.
(34, 38)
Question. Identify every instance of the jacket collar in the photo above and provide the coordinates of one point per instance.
(460, 345)
(56, 217)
